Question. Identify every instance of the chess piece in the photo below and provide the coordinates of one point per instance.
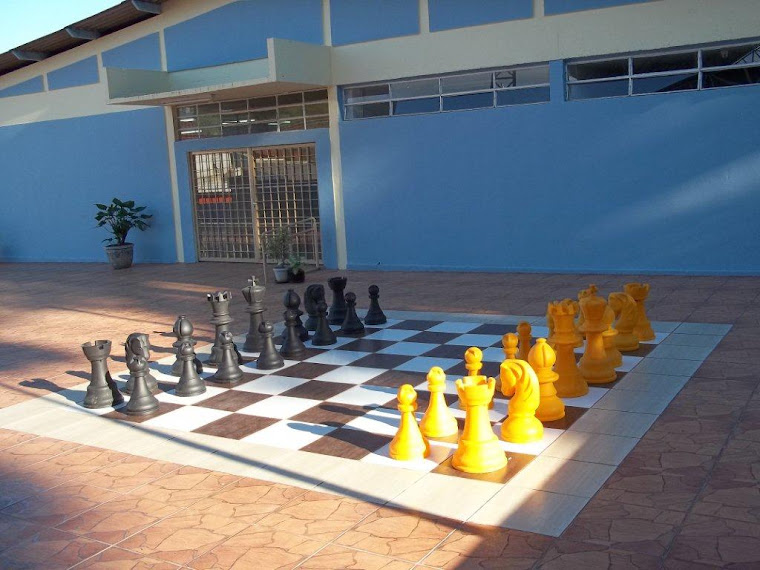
(640, 292)
(626, 315)
(292, 302)
(190, 383)
(408, 443)
(609, 338)
(183, 330)
(550, 326)
(375, 315)
(313, 295)
(473, 362)
(102, 391)
(594, 365)
(541, 358)
(578, 335)
(141, 401)
(509, 345)
(438, 420)
(228, 371)
(352, 324)
(269, 358)
(292, 346)
(138, 344)
(523, 331)
(590, 291)
(323, 335)
(254, 298)
(519, 383)
(478, 450)
(338, 308)
(220, 306)
(570, 383)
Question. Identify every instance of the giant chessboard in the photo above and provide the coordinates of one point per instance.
(327, 419)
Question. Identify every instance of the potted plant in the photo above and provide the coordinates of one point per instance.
(277, 246)
(296, 274)
(120, 217)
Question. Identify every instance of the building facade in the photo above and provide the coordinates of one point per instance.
(488, 135)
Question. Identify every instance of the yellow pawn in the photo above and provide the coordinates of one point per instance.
(520, 384)
(438, 420)
(478, 450)
(408, 444)
(570, 383)
(473, 362)
(541, 359)
(626, 314)
(594, 365)
(509, 346)
(609, 337)
(523, 331)
(640, 292)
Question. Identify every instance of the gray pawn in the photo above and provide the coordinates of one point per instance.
(183, 330)
(190, 383)
(313, 295)
(292, 346)
(102, 391)
(269, 358)
(137, 344)
(141, 401)
(228, 371)
(375, 315)
(324, 335)
(292, 301)
(352, 324)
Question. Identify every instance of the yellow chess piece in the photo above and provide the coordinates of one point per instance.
(591, 290)
(541, 359)
(640, 292)
(473, 362)
(438, 420)
(520, 384)
(609, 338)
(408, 443)
(594, 365)
(626, 314)
(509, 346)
(524, 332)
(550, 326)
(570, 383)
(478, 450)
(578, 335)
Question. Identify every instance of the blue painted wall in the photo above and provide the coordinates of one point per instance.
(82, 72)
(321, 139)
(354, 21)
(54, 171)
(653, 183)
(238, 32)
(33, 85)
(448, 14)
(144, 53)
(552, 7)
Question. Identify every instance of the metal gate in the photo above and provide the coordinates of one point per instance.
(233, 209)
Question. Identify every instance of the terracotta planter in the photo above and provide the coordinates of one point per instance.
(120, 256)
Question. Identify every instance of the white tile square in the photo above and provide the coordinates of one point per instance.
(280, 407)
(495, 414)
(479, 340)
(534, 448)
(454, 327)
(289, 434)
(408, 348)
(587, 400)
(591, 447)
(634, 401)
(172, 398)
(391, 334)
(703, 328)
(382, 421)
(681, 352)
(703, 340)
(339, 341)
(664, 326)
(186, 418)
(614, 422)
(365, 395)
(658, 338)
(271, 384)
(438, 454)
(425, 363)
(658, 383)
(338, 357)
(251, 367)
(565, 476)
(539, 331)
(351, 374)
(449, 390)
(629, 363)
(493, 354)
(669, 367)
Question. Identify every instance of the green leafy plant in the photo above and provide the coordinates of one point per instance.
(277, 245)
(296, 263)
(120, 217)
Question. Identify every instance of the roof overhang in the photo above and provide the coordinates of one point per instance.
(289, 66)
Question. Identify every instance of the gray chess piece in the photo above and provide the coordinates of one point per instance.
(324, 335)
(228, 371)
(221, 319)
(190, 383)
(141, 401)
(292, 301)
(352, 324)
(269, 359)
(338, 308)
(375, 315)
(254, 297)
(183, 330)
(313, 295)
(139, 344)
(292, 346)
(102, 391)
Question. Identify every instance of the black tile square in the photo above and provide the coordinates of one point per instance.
(415, 325)
(348, 443)
(308, 353)
(382, 361)
(232, 400)
(571, 416)
(459, 370)
(515, 462)
(317, 390)
(306, 370)
(643, 350)
(432, 337)
(332, 414)
(236, 426)
(365, 332)
(493, 329)
(366, 345)
(395, 378)
(447, 351)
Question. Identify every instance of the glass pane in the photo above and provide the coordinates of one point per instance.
(596, 90)
(665, 62)
(366, 94)
(680, 82)
(264, 127)
(211, 132)
(731, 55)
(412, 106)
(317, 122)
(731, 77)
(186, 111)
(262, 102)
(470, 82)
(210, 108)
(290, 99)
(418, 88)
(522, 96)
(228, 130)
(291, 125)
(365, 111)
(317, 109)
(320, 95)
(234, 105)
(267, 115)
(208, 120)
(597, 69)
(189, 134)
(232, 118)
(522, 76)
(473, 101)
(187, 122)
(287, 112)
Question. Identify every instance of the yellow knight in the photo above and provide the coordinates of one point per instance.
(626, 314)
(640, 292)
(520, 384)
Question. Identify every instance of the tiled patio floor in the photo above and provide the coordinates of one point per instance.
(687, 495)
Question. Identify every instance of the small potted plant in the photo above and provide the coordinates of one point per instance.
(296, 274)
(277, 247)
(120, 217)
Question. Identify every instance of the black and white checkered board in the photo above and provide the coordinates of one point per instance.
(341, 400)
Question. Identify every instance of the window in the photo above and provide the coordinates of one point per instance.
(276, 113)
(663, 72)
(476, 90)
